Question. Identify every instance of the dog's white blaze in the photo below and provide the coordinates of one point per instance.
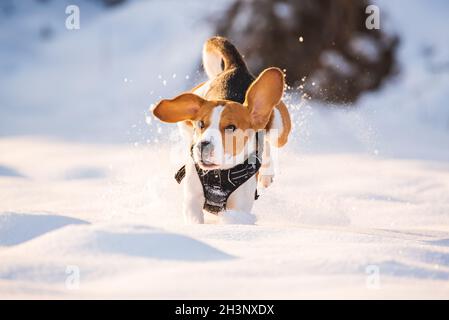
(213, 135)
(216, 117)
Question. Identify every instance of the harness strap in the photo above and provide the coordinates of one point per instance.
(180, 174)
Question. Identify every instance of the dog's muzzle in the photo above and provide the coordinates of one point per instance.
(206, 150)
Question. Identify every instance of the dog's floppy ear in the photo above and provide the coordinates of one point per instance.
(183, 107)
(263, 95)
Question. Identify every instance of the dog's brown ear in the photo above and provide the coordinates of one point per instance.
(183, 107)
(263, 95)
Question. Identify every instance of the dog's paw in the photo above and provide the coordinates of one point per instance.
(264, 181)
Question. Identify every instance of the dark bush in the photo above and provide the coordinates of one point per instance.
(338, 54)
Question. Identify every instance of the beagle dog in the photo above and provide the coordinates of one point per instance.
(231, 122)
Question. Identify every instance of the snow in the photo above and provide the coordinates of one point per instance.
(237, 217)
(89, 207)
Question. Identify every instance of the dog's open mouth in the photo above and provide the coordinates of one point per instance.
(207, 165)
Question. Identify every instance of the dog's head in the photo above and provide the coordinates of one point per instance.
(223, 129)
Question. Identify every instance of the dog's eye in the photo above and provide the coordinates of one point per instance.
(200, 124)
(231, 127)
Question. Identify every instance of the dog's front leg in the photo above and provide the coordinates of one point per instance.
(193, 196)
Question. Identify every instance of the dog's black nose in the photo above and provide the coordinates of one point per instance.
(205, 146)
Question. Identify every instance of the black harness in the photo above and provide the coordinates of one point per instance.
(218, 185)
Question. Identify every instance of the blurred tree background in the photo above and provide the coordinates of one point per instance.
(323, 41)
(323, 45)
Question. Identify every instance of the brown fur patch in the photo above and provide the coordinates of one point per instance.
(237, 115)
(205, 113)
(183, 107)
